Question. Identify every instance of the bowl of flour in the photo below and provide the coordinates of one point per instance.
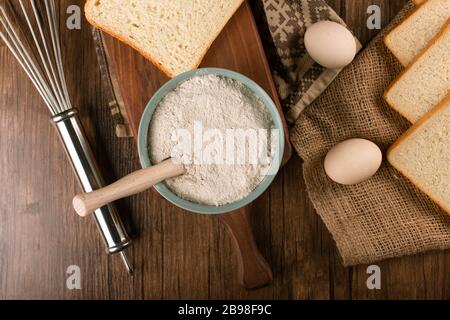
(224, 129)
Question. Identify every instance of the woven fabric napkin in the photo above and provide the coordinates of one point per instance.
(283, 24)
(386, 216)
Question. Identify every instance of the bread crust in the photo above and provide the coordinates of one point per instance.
(433, 42)
(232, 12)
(148, 56)
(408, 134)
(386, 39)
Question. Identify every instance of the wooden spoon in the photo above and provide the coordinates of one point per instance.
(254, 271)
(139, 181)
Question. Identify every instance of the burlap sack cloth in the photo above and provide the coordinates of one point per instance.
(386, 216)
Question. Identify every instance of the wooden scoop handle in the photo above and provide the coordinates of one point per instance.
(139, 181)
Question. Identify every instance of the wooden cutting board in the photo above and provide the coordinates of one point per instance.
(238, 48)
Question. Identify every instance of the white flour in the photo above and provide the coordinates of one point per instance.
(217, 103)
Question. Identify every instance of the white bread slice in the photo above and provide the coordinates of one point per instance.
(174, 35)
(411, 36)
(422, 154)
(425, 82)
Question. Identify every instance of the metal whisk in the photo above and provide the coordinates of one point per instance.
(34, 42)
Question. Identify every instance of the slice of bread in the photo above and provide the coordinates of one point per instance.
(425, 82)
(174, 35)
(417, 2)
(422, 154)
(411, 36)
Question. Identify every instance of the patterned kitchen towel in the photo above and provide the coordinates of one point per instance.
(298, 78)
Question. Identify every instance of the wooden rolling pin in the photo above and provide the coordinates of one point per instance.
(136, 182)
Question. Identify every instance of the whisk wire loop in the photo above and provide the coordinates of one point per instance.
(45, 68)
(54, 32)
(22, 56)
(48, 67)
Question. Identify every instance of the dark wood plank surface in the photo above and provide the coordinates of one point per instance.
(177, 255)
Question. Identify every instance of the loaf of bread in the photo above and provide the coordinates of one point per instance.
(411, 36)
(422, 154)
(425, 82)
(174, 35)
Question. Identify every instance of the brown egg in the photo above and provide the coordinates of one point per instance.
(330, 44)
(353, 161)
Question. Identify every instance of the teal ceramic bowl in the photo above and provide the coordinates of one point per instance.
(143, 140)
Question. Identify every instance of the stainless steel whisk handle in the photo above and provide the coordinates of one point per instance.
(82, 158)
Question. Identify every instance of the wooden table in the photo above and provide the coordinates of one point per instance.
(177, 255)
